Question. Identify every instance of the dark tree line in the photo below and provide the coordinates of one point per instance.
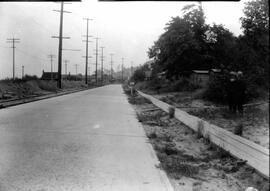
(188, 43)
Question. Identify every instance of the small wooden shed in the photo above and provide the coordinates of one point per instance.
(200, 77)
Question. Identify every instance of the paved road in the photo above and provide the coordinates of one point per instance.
(89, 140)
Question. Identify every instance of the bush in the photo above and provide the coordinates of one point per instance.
(238, 130)
(29, 77)
(171, 112)
(47, 85)
(216, 90)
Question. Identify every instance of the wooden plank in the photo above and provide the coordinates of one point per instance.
(255, 155)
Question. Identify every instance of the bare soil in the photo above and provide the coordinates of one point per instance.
(255, 121)
(191, 162)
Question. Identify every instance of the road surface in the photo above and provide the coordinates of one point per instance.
(89, 140)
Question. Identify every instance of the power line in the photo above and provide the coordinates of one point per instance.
(30, 55)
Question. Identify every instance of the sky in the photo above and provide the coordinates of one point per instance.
(125, 29)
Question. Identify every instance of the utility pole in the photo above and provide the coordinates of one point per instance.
(76, 65)
(51, 56)
(22, 72)
(102, 59)
(131, 69)
(96, 58)
(111, 66)
(13, 41)
(60, 37)
(122, 69)
(86, 59)
(66, 61)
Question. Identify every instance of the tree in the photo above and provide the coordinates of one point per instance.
(183, 45)
(221, 44)
(254, 44)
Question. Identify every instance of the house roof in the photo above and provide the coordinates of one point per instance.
(200, 71)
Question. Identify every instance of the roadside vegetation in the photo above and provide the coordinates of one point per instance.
(33, 86)
(188, 44)
(192, 163)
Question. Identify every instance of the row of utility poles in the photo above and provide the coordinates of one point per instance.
(60, 49)
(60, 37)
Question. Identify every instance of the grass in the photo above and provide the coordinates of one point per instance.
(152, 119)
(152, 135)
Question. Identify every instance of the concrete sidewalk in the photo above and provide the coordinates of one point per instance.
(90, 140)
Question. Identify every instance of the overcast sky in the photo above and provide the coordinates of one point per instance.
(126, 29)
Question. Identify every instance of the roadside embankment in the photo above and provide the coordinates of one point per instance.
(19, 92)
(192, 162)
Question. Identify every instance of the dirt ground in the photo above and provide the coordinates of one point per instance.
(255, 122)
(191, 162)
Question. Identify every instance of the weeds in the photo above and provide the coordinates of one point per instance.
(177, 167)
(152, 118)
(152, 135)
(171, 112)
(238, 130)
(200, 130)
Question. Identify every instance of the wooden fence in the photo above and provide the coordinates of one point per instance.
(255, 155)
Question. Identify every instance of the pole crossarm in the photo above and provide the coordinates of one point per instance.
(62, 11)
(61, 37)
(68, 49)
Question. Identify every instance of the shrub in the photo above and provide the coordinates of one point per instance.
(216, 90)
(47, 85)
(152, 135)
(238, 130)
(171, 112)
(29, 77)
(200, 130)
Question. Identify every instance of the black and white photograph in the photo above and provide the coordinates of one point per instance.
(134, 95)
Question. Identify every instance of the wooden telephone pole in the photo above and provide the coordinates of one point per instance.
(13, 41)
(86, 57)
(60, 37)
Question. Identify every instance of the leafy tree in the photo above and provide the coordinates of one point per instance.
(221, 44)
(254, 44)
(139, 74)
(183, 46)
